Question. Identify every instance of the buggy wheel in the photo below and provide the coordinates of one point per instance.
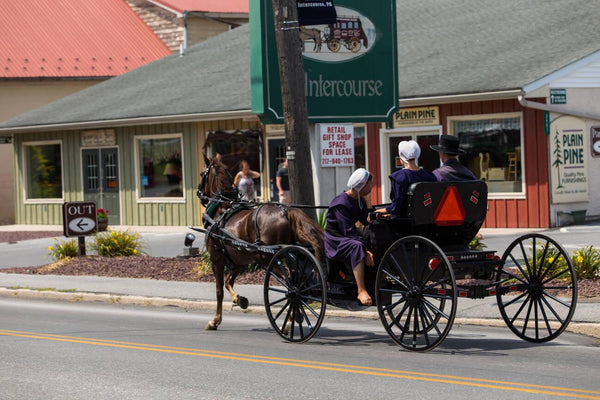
(415, 292)
(536, 288)
(333, 45)
(354, 45)
(295, 294)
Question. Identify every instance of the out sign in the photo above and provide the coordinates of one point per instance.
(79, 218)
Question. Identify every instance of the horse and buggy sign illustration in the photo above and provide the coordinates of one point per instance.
(423, 265)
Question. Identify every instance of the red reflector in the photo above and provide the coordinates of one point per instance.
(492, 291)
(427, 202)
(474, 200)
(427, 195)
(513, 288)
(441, 291)
(489, 256)
(497, 258)
(450, 211)
(433, 263)
(462, 294)
(450, 258)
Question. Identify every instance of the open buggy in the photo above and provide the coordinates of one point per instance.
(423, 265)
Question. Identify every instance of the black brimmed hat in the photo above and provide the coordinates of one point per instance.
(448, 144)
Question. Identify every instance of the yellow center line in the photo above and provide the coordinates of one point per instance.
(355, 369)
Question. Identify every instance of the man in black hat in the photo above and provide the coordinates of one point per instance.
(451, 169)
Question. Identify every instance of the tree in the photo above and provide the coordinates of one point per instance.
(293, 96)
(557, 158)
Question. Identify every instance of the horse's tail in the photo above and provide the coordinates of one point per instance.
(306, 231)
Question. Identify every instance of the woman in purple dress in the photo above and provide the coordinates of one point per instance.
(343, 240)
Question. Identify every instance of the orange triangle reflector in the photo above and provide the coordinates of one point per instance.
(451, 210)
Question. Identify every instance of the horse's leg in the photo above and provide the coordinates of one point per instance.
(218, 272)
(235, 298)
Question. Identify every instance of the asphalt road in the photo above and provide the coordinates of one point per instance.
(81, 351)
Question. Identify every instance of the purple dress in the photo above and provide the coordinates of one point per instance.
(401, 180)
(343, 241)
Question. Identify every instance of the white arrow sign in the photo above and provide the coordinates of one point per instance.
(82, 225)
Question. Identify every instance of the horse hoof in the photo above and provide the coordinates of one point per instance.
(242, 302)
(211, 327)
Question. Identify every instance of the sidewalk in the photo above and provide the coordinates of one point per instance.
(196, 295)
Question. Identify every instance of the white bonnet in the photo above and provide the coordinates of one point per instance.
(358, 179)
(409, 150)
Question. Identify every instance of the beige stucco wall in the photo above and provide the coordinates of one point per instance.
(18, 97)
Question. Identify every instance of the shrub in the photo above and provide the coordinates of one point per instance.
(476, 244)
(115, 244)
(322, 219)
(202, 266)
(587, 263)
(66, 249)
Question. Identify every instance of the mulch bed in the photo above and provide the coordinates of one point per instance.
(162, 268)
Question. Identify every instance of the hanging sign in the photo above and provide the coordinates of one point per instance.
(313, 12)
(568, 160)
(337, 145)
(350, 63)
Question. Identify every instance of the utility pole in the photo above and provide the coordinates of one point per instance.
(293, 96)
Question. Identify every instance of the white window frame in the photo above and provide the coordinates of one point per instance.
(26, 199)
(138, 191)
(498, 195)
(384, 136)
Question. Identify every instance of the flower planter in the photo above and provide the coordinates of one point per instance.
(102, 225)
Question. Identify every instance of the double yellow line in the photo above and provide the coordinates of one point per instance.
(352, 369)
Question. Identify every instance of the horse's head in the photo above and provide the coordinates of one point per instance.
(215, 179)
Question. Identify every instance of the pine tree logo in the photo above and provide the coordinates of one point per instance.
(557, 154)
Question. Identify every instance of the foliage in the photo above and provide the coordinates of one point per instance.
(202, 266)
(102, 214)
(476, 244)
(322, 219)
(62, 250)
(115, 244)
(587, 263)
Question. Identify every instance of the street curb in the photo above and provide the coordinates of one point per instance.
(582, 328)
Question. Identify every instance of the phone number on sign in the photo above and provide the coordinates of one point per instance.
(346, 161)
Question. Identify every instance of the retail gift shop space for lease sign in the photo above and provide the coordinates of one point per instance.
(337, 145)
(350, 63)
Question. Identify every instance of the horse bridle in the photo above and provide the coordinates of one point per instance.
(225, 195)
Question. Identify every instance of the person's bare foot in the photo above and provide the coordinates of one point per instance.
(364, 298)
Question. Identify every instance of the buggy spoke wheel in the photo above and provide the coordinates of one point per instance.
(536, 288)
(415, 293)
(295, 294)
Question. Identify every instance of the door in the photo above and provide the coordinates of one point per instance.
(101, 180)
(275, 156)
(429, 158)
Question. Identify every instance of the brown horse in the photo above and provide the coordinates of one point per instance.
(264, 224)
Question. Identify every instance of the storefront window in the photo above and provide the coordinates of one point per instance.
(235, 146)
(160, 166)
(360, 159)
(44, 171)
(493, 146)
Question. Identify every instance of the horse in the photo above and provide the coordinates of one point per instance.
(311, 34)
(264, 224)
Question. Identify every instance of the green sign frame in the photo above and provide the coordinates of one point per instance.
(351, 76)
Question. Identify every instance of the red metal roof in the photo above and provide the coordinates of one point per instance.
(209, 6)
(66, 38)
